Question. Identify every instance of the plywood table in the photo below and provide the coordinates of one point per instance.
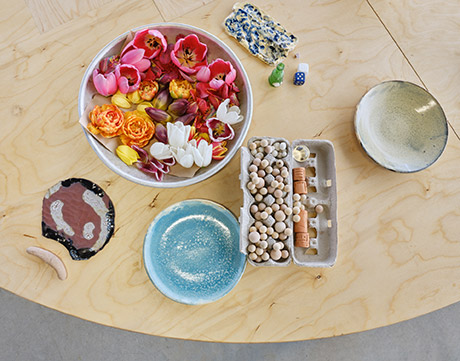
(399, 245)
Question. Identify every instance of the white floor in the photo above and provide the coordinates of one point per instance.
(32, 332)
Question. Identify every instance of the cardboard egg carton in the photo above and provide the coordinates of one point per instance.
(322, 190)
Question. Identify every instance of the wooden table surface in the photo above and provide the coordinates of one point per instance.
(399, 245)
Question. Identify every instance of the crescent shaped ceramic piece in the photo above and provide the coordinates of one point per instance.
(51, 259)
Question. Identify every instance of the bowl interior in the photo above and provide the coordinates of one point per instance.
(216, 49)
(401, 126)
(191, 252)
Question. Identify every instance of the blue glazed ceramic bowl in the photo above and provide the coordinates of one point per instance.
(191, 252)
(401, 126)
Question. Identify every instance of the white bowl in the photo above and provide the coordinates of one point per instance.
(401, 126)
(216, 49)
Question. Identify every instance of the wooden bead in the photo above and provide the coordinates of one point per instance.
(275, 254)
(254, 237)
(319, 209)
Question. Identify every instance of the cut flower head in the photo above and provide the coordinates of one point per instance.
(189, 54)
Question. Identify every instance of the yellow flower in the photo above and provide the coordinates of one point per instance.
(180, 89)
(141, 107)
(120, 99)
(127, 154)
(134, 97)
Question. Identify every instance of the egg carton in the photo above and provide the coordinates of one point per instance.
(322, 190)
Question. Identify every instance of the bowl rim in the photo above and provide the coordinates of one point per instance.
(148, 265)
(394, 169)
(154, 183)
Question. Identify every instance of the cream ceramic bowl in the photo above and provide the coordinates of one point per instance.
(216, 49)
(401, 126)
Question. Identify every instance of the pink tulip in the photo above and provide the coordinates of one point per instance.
(203, 74)
(222, 72)
(189, 54)
(128, 78)
(136, 58)
(152, 41)
(106, 84)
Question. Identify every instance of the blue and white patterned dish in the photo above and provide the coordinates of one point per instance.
(191, 252)
(401, 126)
(259, 33)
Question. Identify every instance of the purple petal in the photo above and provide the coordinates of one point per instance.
(161, 133)
(169, 161)
(143, 155)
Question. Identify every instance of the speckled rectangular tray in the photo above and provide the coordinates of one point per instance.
(259, 33)
(321, 180)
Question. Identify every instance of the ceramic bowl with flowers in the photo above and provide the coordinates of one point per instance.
(165, 105)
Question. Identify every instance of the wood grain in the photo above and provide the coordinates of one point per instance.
(428, 34)
(172, 9)
(398, 244)
(49, 14)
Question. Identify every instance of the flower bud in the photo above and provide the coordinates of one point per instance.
(186, 119)
(158, 115)
(161, 134)
(178, 107)
(162, 100)
(192, 108)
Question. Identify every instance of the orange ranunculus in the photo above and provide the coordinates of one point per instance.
(106, 120)
(137, 129)
(148, 89)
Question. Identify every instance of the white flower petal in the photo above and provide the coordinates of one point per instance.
(222, 110)
(231, 118)
(207, 156)
(160, 151)
(186, 161)
(198, 157)
(235, 109)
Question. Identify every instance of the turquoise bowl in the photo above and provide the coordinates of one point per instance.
(191, 252)
(401, 126)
